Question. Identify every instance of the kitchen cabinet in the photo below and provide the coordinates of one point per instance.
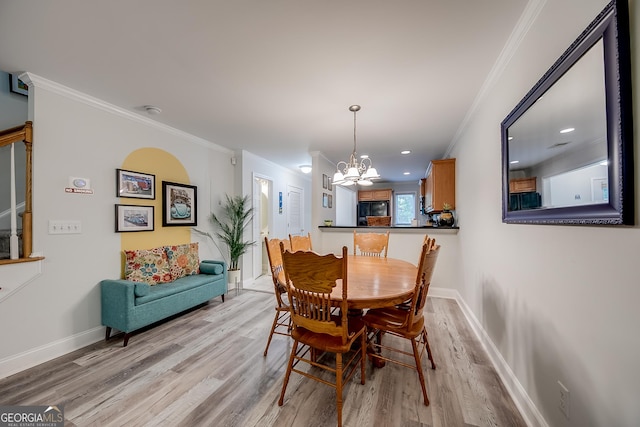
(439, 186)
(522, 185)
(374, 195)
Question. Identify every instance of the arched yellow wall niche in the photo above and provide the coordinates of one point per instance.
(166, 168)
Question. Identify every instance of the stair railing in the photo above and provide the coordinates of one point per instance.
(10, 137)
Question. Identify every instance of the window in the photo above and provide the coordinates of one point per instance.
(405, 207)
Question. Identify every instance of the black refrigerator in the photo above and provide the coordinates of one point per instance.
(365, 209)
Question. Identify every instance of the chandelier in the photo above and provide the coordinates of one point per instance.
(354, 172)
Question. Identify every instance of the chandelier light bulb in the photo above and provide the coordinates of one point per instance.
(354, 171)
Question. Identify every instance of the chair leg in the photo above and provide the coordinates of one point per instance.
(108, 333)
(416, 355)
(426, 343)
(273, 328)
(363, 357)
(294, 349)
(339, 387)
(126, 339)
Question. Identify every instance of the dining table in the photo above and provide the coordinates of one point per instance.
(376, 282)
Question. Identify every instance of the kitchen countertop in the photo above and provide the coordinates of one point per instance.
(390, 228)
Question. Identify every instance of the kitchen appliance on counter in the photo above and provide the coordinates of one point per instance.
(375, 208)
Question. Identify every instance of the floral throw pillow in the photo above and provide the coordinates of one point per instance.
(184, 260)
(147, 265)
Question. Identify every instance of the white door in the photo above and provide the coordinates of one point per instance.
(295, 198)
(261, 223)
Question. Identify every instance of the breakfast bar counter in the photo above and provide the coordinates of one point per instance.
(405, 244)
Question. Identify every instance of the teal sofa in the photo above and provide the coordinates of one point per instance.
(128, 306)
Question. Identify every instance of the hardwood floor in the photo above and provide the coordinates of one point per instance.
(206, 368)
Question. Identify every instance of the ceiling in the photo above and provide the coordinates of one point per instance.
(275, 77)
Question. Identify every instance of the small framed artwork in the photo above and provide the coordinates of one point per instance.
(135, 184)
(329, 184)
(330, 201)
(325, 200)
(134, 218)
(18, 86)
(325, 181)
(179, 204)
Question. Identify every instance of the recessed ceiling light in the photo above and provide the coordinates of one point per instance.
(152, 109)
(405, 152)
(407, 173)
(305, 168)
(513, 162)
(364, 156)
(567, 130)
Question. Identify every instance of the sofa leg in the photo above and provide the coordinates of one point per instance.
(108, 334)
(222, 297)
(126, 339)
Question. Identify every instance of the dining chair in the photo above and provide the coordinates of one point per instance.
(300, 243)
(379, 220)
(371, 244)
(311, 278)
(406, 322)
(281, 319)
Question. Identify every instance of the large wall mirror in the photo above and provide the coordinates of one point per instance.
(567, 147)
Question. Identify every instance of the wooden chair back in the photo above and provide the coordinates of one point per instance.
(371, 244)
(379, 221)
(300, 243)
(311, 278)
(426, 266)
(275, 263)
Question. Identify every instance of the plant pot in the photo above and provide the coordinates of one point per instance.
(446, 219)
(233, 279)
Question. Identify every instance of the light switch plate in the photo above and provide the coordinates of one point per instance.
(65, 227)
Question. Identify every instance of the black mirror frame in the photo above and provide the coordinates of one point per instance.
(612, 25)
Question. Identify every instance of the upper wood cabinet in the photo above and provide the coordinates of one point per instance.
(370, 195)
(439, 187)
(522, 185)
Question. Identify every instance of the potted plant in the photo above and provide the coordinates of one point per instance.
(230, 224)
(446, 217)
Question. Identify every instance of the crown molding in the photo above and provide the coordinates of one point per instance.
(51, 86)
(522, 27)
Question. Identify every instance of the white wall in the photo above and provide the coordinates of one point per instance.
(75, 135)
(346, 206)
(557, 302)
(282, 178)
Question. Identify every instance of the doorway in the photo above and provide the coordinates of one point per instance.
(262, 194)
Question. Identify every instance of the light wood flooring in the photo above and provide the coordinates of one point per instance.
(205, 368)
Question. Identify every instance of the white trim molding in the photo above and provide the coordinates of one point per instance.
(67, 92)
(28, 359)
(527, 408)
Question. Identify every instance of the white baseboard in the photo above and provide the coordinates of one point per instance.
(527, 408)
(444, 293)
(29, 359)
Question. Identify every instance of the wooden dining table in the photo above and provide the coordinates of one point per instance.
(375, 282)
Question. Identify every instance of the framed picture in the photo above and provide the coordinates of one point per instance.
(329, 184)
(325, 200)
(179, 204)
(18, 86)
(135, 184)
(330, 201)
(134, 218)
(325, 180)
